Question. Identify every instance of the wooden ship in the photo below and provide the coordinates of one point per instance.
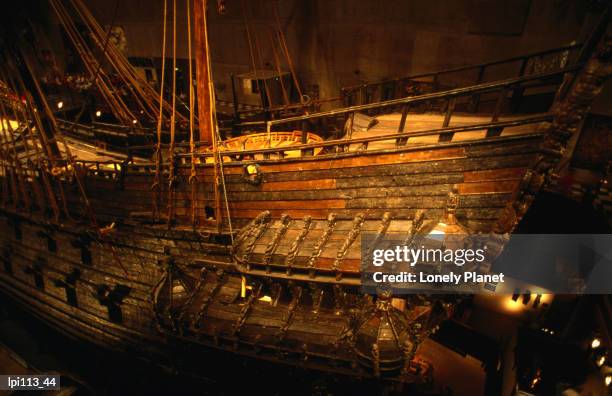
(253, 246)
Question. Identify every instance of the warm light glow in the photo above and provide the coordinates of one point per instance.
(608, 380)
(60, 104)
(98, 113)
(398, 303)
(265, 299)
(12, 123)
(595, 343)
(601, 361)
(134, 121)
(243, 287)
(512, 306)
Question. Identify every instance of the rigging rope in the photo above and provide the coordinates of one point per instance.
(229, 216)
(171, 170)
(156, 187)
(95, 76)
(115, 102)
(283, 42)
(216, 137)
(261, 65)
(68, 163)
(278, 69)
(192, 148)
(251, 52)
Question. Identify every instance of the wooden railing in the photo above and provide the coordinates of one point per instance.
(445, 134)
(503, 97)
(450, 101)
(111, 169)
(537, 62)
(417, 84)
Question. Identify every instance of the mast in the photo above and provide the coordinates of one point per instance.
(204, 83)
(206, 99)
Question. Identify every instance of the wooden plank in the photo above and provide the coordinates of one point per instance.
(314, 204)
(502, 159)
(319, 184)
(484, 200)
(500, 186)
(494, 174)
(442, 166)
(366, 159)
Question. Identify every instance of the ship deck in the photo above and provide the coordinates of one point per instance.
(388, 124)
(382, 125)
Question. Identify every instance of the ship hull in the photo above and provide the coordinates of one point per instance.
(145, 287)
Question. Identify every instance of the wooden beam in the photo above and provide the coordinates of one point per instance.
(203, 73)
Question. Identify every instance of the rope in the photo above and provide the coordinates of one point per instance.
(69, 160)
(171, 170)
(278, 69)
(192, 173)
(261, 65)
(19, 116)
(42, 139)
(229, 217)
(251, 52)
(211, 113)
(118, 107)
(218, 159)
(156, 187)
(283, 42)
(19, 173)
(95, 76)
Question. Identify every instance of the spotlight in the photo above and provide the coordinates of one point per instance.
(98, 113)
(60, 104)
(608, 380)
(134, 122)
(595, 343)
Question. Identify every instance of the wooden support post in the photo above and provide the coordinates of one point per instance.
(304, 139)
(235, 100)
(402, 123)
(499, 105)
(476, 97)
(349, 125)
(401, 141)
(450, 107)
